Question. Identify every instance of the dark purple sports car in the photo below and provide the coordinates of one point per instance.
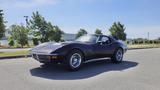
(86, 48)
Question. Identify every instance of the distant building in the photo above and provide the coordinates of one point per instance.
(4, 40)
(68, 37)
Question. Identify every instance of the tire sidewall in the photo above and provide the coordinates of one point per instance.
(114, 58)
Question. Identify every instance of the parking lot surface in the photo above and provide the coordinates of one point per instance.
(139, 71)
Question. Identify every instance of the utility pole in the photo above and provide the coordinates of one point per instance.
(148, 35)
(26, 19)
(148, 38)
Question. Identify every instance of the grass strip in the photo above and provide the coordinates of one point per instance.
(16, 53)
(144, 46)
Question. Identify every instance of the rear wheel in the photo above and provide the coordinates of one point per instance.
(74, 60)
(118, 56)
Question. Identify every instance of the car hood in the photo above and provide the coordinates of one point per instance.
(47, 48)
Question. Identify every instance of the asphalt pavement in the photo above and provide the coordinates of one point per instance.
(139, 71)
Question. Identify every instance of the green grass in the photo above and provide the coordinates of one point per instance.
(16, 53)
(144, 46)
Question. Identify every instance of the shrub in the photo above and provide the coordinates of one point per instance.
(11, 41)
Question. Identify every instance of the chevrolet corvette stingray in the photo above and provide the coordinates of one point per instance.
(73, 54)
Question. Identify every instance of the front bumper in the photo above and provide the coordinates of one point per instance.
(47, 57)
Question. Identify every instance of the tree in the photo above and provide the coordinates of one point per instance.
(117, 30)
(11, 41)
(20, 34)
(81, 32)
(57, 34)
(98, 31)
(38, 27)
(43, 30)
(51, 31)
(2, 26)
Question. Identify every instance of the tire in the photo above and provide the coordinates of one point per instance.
(117, 56)
(74, 60)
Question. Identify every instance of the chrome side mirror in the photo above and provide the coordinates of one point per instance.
(100, 42)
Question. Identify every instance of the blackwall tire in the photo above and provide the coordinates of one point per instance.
(118, 56)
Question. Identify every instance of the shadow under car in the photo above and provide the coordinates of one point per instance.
(57, 72)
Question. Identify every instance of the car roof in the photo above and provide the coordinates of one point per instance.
(97, 35)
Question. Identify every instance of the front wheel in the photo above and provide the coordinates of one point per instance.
(74, 60)
(118, 56)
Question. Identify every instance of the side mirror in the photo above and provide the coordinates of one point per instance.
(100, 42)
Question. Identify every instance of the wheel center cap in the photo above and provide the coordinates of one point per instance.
(75, 60)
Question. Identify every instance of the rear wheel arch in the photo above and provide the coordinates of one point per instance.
(118, 48)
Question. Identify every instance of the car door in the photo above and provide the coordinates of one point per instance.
(104, 47)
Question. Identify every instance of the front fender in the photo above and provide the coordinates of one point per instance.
(85, 49)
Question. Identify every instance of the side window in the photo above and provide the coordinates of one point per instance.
(105, 40)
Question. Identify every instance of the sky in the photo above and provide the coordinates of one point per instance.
(138, 16)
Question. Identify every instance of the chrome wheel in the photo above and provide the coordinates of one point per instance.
(119, 55)
(75, 60)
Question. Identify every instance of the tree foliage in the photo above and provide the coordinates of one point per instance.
(43, 30)
(56, 34)
(35, 41)
(143, 41)
(20, 34)
(98, 31)
(81, 32)
(38, 27)
(2, 26)
(11, 41)
(118, 30)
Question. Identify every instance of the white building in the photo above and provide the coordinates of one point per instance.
(68, 37)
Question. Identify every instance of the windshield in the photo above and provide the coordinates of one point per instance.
(88, 38)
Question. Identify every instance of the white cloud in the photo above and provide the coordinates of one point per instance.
(26, 3)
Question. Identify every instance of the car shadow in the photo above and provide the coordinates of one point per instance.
(57, 72)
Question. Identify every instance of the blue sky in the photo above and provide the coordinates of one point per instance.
(138, 16)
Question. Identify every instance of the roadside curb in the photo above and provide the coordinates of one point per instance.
(12, 57)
